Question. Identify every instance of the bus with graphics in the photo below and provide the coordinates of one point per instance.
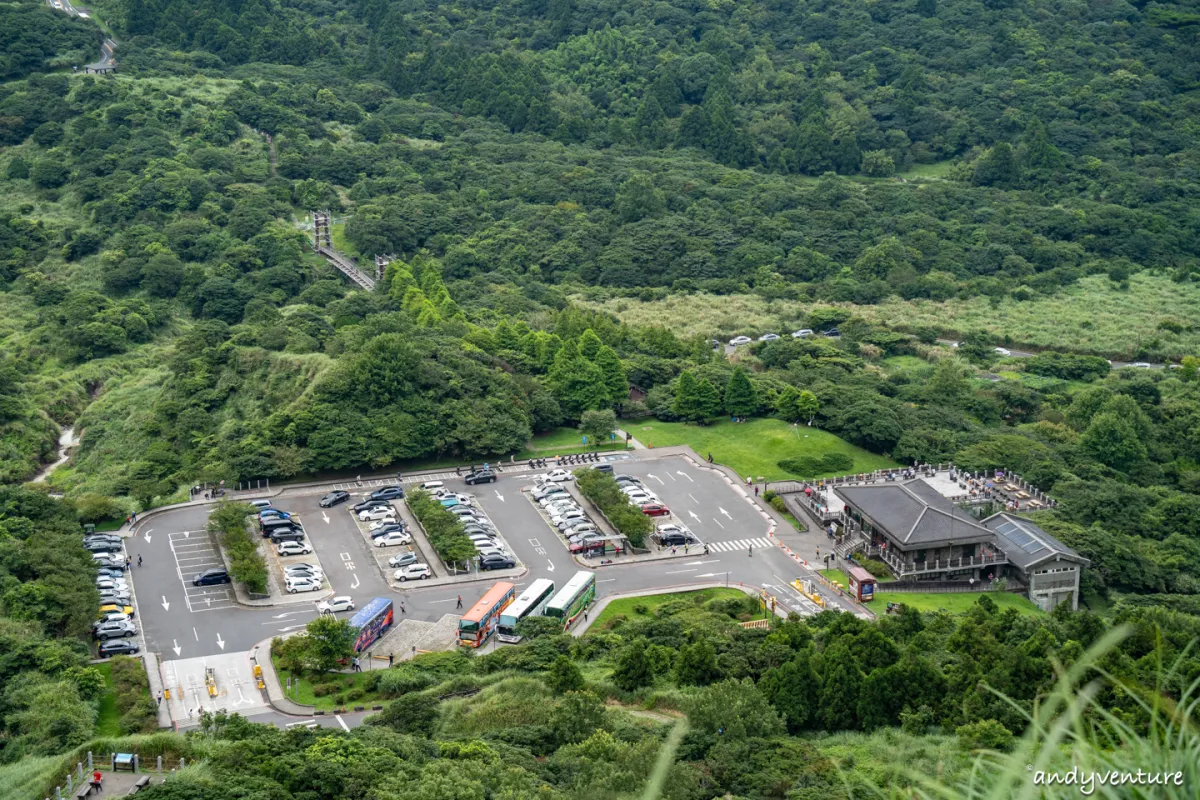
(531, 603)
(573, 598)
(481, 620)
(372, 621)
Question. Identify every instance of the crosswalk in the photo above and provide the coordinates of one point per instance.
(738, 544)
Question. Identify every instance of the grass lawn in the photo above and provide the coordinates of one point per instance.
(108, 720)
(753, 448)
(837, 576)
(624, 606)
(346, 681)
(566, 440)
(955, 603)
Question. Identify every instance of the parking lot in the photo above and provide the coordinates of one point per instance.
(380, 556)
(194, 552)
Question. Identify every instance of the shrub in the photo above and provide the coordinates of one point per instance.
(986, 734)
(403, 679)
(246, 564)
(875, 567)
(641, 608)
(627, 518)
(355, 694)
(322, 689)
(139, 712)
(778, 504)
(810, 466)
(443, 529)
(838, 462)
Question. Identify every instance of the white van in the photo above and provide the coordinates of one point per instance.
(432, 486)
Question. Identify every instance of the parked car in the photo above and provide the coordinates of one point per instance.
(768, 337)
(293, 548)
(737, 341)
(491, 551)
(573, 515)
(675, 538)
(304, 570)
(117, 647)
(585, 536)
(110, 616)
(118, 598)
(394, 538)
(118, 629)
(638, 498)
(1142, 365)
(803, 333)
(110, 572)
(603, 468)
(102, 537)
(560, 475)
(832, 333)
(364, 505)
(655, 510)
(497, 562)
(386, 528)
(413, 572)
(377, 513)
(336, 605)
(109, 585)
(566, 515)
(102, 546)
(628, 479)
(118, 609)
(557, 497)
(286, 535)
(1002, 351)
(110, 560)
(301, 584)
(402, 560)
(549, 487)
(211, 577)
(380, 524)
(585, 546)
(387, 493)
(333, 498)
(483, 538)
(480, 476)
(272, 513)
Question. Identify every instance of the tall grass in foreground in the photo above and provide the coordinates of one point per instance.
(1070, 731)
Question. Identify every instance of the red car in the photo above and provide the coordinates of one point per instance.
(655, 510)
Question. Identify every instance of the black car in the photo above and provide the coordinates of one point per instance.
(496, 562)
(603, 468)
(211, 577)
(386, 529)
(387, 493)
(675, 538)
(117, 647)
(832, 332)
(102, 547)
(364, 505)
(480, 476)
(333, 498)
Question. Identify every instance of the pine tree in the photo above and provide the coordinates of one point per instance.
(666, 91)
(613, 371)
(740, 398)
(724, 141)
(841, 684)
(997, 167)
(687, 401)
(650, 125)
(1039, 152)
(577, 383)
(811, 147)
(708, 399)
(693, 128)
(589, 344)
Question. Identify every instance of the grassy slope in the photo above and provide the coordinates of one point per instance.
(954, 603)
(753, 448)
(624, 606)
(1093, 316)
(108, 721)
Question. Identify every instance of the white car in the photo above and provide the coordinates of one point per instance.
(555, 497)
(335, 604)
(740, 340)
(672, 527)
(304, 570)
(559, 514)
(491, 551)
(768, 337)
(379, 512)
(1141, 365)
(298, 584)
(558, 505)
(803, 333)
(112, 584)
(413, 572)
(560, 475)
(382, 523)
(393, 538)
(293, 549)
(1002, 351)
(479, 540)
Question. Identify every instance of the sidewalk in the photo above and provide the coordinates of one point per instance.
(150, 661)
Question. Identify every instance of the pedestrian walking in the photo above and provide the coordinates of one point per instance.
(818, 554)
(705, 549)
(458, 471)
(672, 549)
(158, 699)
(710, 458)
(127, 519)
(402, 611)
(459, 602)
(128, 562)
(391, 658)
(358, 480)
(751, 551)
(685, 549)
(134, 516)
(139, 559)
(585, 616)
(756, 491)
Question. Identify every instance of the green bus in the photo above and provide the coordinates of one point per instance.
(573, 598)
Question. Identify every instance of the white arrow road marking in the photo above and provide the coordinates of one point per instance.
(678, 571)
(702, 563)
(499, 495)
(187, 534)
(355, 584)
(709, 575)
(723, 511)
(166, 605)
(550, 568)
(606, 580)
(325, 517)
(289, 628)
(660, 480)
(694, 515)
(684, 474)
(220, 642)
(176, 647)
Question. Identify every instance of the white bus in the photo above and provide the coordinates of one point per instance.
(531, 603)
(573, 599)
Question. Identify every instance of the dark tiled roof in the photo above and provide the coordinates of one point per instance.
(1026, 544)
(915, 514)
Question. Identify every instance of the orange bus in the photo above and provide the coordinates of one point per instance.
(478, 624)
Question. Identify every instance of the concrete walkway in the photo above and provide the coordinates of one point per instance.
(154, 675)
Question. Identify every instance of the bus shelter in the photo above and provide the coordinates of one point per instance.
(862, 584)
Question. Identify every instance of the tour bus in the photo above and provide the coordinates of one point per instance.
(477, 624)
(531, 603)
(573, 598)
(371, 622)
